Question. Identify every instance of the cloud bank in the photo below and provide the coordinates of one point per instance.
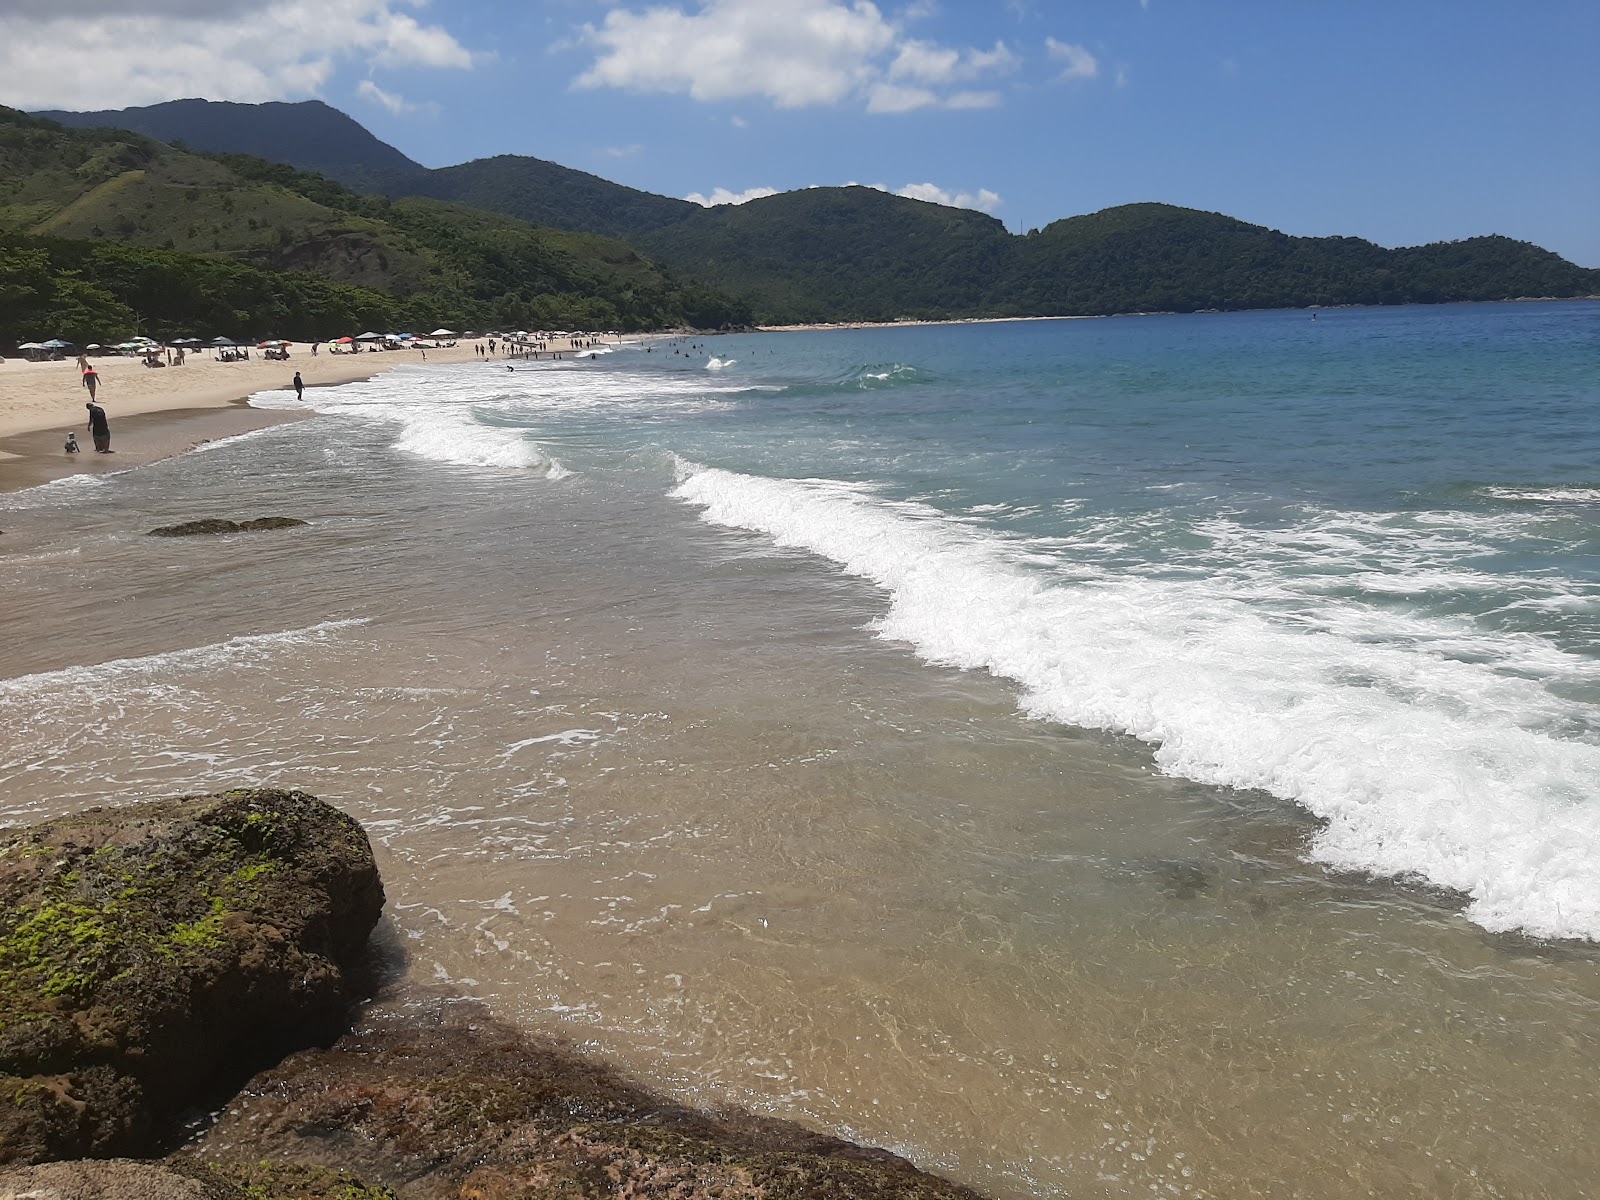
(795, 54)
(88, 54)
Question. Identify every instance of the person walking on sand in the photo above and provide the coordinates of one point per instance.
(100, 428)
(91, 380)
(299, 387)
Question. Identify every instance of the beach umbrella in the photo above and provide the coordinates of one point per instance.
(31, 346)
(443, 333)
(54, 344)
(369, 337)
(222, 341)
(344, 341)
(93, 346)
(270, 343)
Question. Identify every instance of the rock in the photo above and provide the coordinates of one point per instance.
(119, 1179)
(219, 525)
(442, 1103)
(152, 953)
(113, 1180)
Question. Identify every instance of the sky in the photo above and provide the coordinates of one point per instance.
(1401, 121)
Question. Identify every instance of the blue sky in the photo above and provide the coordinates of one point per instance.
(1402, 121)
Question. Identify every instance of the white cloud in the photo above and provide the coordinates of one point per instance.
(1077, 62)
(796, 54)
(892, 98)
(973, 100)
(724, 196)
(739, 122)
(87, 54)
(983, 200)
(622, 151)
(394, 103)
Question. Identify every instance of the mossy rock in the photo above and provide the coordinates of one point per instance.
(442, 1101)
(151, 953)
(121, 1179)
(221, 525)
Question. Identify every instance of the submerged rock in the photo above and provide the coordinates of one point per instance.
(446, 1104)
(220, 525)
(151, 953)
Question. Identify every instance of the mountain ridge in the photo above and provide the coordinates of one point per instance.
(853, 253)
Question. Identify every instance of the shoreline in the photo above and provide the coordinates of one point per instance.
(1198, 312)
(160, 413)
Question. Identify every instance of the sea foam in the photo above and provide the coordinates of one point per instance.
(1420, 763)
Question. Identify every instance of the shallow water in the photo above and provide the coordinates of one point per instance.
(626, 666)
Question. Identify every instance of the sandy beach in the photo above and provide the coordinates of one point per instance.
(158, 412)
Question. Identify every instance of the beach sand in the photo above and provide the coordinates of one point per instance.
(158, 412)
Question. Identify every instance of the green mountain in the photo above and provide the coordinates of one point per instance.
(854, 253)
(314, 137)
(72, 193)
(545, 193)
(824, 254)
(309, 135)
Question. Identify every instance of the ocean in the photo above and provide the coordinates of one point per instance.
(1148, 755)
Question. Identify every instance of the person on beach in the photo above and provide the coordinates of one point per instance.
(72, 446)
(91, 380)
(100, 428)
(299, 387)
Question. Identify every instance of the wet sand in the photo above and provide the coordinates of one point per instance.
(38, 457)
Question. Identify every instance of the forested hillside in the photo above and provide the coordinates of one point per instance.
(309, 135)
(420, 261)
(823, 254)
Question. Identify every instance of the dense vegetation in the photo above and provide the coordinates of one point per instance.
(310, 135)
(854, 254)
(825, 254)
(269, 249)
(546, 193)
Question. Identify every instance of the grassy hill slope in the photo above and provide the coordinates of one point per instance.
(451, 265)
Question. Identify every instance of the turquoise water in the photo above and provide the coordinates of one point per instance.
(1088, 757)
(1350, 561)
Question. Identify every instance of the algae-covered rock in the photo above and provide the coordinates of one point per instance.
(151, 952)
(445, 1104)
(120, 1179)
(220, 525)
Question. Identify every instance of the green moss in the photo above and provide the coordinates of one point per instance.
(287, 1181)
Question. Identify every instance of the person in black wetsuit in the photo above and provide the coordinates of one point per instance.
(299, 387)
(100, 428)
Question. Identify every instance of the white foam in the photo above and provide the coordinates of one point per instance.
(68, 489)
(244, 650)
(720, 364)
(438, 412)
(1546, 495)
(1420, 762)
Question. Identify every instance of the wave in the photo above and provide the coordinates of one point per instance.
(68, 489)
(1419, 763)
(438, 412)
(871, 377)
(1545, 495)
(244, 650)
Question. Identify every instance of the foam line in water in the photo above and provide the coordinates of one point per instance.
(244, 650)
(1546, 495)
(1420, 763)
(437, 414)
